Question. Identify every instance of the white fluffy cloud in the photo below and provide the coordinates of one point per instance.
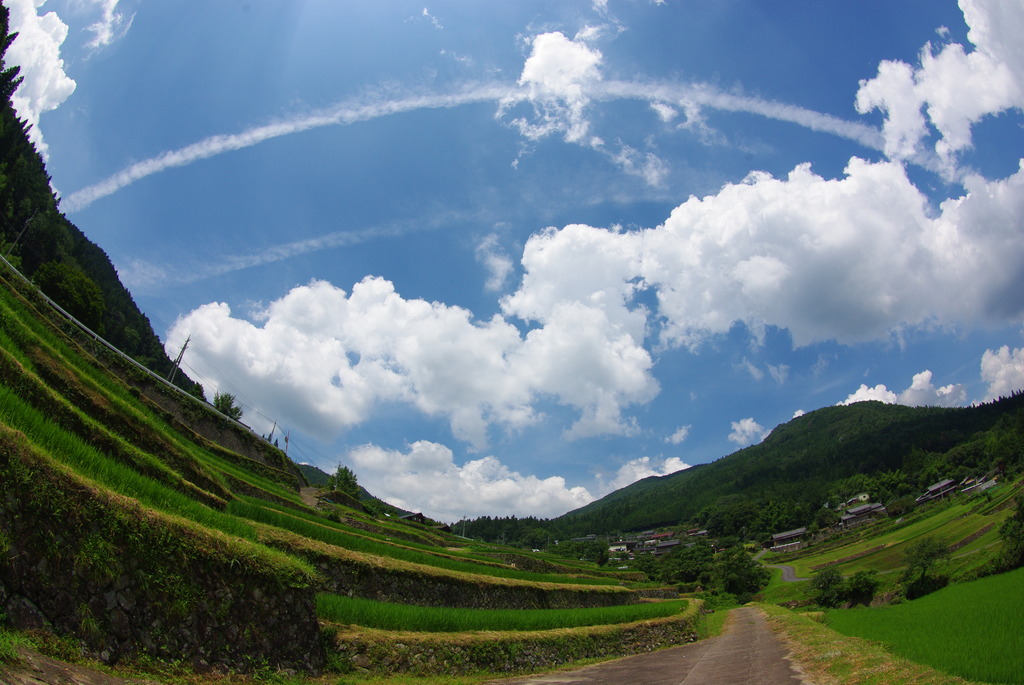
(879, 393)
(921, 393)
(426, 478)
(954, 87)
(559, 78)
(679, 435)
(638, 469)
(37, 51)
(557, 75)
(322, 359)
(747, 432)
(1003, 370)
(110, 26)
(848, 259)
(851, 259)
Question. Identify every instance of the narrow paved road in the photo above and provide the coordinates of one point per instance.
(788, 573)
(746, 653)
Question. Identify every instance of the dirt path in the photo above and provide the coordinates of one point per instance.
(308, 496)
(747, 652)
(35, 669)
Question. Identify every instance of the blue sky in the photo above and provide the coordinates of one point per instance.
(503, 258)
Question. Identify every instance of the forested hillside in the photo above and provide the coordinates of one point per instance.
(47, 248)
(889, 451)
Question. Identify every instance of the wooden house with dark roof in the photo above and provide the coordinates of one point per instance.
(788, 540)
(855, 516)
(938, 490)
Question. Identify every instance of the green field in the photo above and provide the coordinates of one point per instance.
(389, 616)
(973, 630)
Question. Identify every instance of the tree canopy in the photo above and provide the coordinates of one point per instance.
(344, 480)
(225, 404)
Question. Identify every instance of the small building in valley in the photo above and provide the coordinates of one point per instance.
(943, 488)
(789, 540)
(416, 517)
(863, 513)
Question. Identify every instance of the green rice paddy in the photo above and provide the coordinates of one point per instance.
(386, 616)
(973, 630)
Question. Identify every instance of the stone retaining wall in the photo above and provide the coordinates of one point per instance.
(377, 652)
(122, 579)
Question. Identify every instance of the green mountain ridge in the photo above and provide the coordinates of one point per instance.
(803, 463)
(822, 457)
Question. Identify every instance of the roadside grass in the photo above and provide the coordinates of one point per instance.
(406, 617)
(972, 630)
(712, 624)
(827, 657)
(9, 643)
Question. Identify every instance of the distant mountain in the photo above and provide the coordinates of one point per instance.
(886, 450)
(317, 477)
(314, 476)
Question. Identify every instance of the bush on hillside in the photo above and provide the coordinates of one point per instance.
(1012, 534)
(861, 587)
(827, 586)
(225, 403)
(344, 481)
(924, 568)
(737, 573)
(831, 590)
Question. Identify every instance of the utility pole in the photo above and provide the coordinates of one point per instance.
(286, 436)
(177, 361)
(23, 229)
(270, 438)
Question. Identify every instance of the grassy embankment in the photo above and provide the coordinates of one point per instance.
(966, 633)
(56, 392)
